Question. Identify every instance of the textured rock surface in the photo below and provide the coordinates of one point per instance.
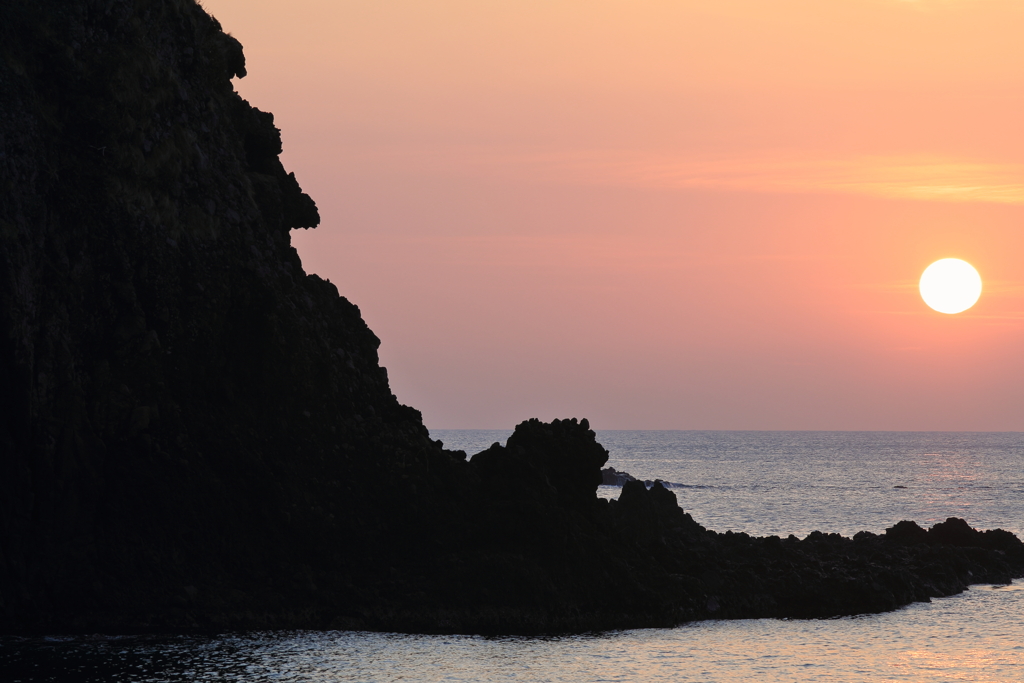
(611, 477)
(194, 433)
(180, 400)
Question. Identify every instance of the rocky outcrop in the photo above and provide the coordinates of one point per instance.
(196, 434)
(185, 412)
(611, 477)
(527, 559)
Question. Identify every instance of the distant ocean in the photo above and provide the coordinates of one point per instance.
(760, 482)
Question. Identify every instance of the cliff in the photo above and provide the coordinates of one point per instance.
(195, 433)
(178, 395)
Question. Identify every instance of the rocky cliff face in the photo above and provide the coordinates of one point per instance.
(194, 433)
(177, 392)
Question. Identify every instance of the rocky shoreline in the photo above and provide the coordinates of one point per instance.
(642, 561)
(197, 435)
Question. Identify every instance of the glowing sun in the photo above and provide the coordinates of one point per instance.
(950, 285)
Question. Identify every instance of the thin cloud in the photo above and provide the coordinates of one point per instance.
(892, 177)
(897, 177)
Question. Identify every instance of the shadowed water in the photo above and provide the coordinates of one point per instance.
(977, 636)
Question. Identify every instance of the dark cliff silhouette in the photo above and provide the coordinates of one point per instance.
(194, 433)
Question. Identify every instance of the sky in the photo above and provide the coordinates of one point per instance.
(662, 214)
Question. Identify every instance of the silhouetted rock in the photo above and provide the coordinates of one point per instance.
(557, 462)
(956, 532)
(182, 405)
(906, 532)
(611, 477)
(196, 434)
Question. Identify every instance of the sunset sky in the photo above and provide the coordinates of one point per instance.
(675, 214)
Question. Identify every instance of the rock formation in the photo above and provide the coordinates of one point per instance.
(612, 477)
(196, 434)
(180, 400)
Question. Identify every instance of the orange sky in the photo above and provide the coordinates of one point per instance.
(676, 214)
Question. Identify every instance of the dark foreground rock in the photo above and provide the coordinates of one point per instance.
(612, 477)
(540, 561)
(196, 434)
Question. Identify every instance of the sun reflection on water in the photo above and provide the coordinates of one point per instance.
(977, 665)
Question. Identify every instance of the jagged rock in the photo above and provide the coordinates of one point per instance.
(172, 412)
(611, 477)
(560, 461)
(196, 434)
(906, 532)
(956, 532)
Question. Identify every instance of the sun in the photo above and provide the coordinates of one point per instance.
(950, 285)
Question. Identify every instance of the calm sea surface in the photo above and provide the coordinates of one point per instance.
(760, 482)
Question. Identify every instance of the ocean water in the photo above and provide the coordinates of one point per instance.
(759, 482)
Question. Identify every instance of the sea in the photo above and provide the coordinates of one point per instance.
(762, 483)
